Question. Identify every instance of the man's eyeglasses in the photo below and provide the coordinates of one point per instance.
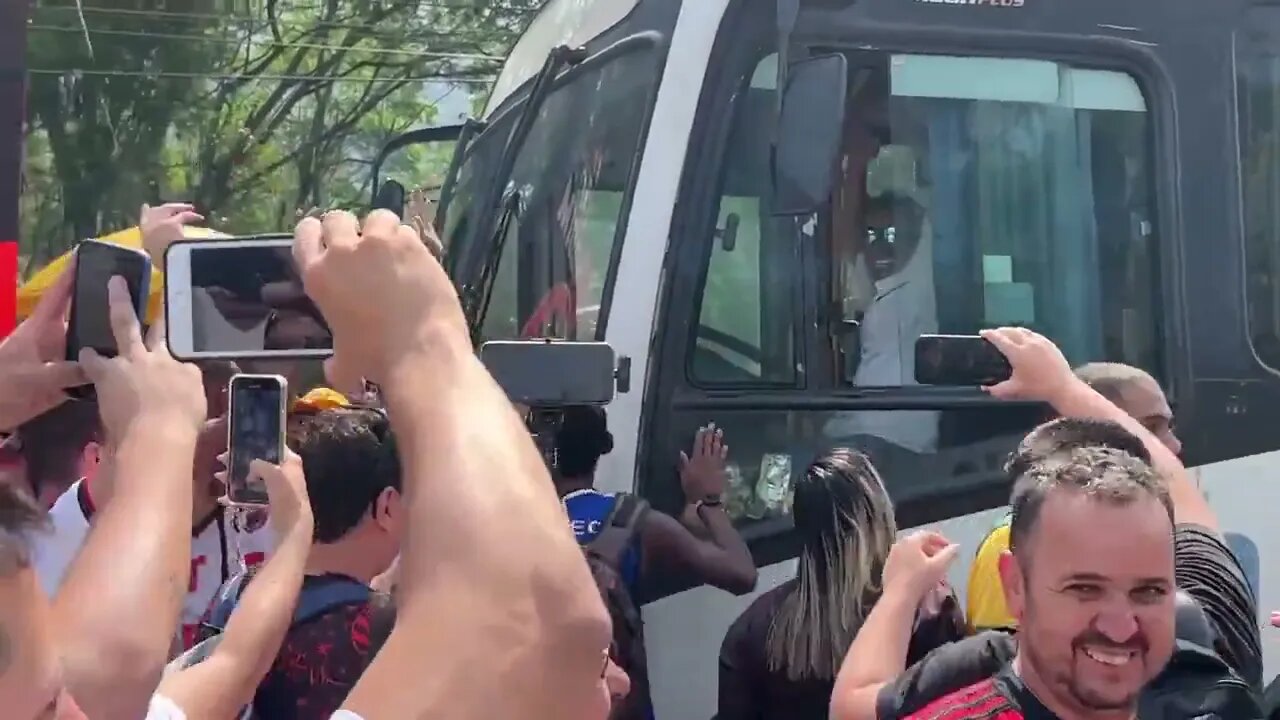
(877, 235)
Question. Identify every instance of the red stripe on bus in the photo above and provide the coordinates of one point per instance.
(8, 286)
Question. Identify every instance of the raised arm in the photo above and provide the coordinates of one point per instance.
(1041, 373)
(490, 624)
(704, 543)
(916, 565)
(218, 687)
(33, 370)
(119, 605)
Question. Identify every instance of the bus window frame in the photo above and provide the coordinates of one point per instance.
(1260, 20)
(672, 395)
(718, 152)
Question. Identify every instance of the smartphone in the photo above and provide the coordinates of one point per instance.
(240, 298)
(255, 432)
(90, 320)
(89, 324)
(541, 373)
(959, 360)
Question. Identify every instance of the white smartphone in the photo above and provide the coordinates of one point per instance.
(240, 298)
(255, 431)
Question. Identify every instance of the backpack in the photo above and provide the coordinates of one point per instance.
(1197, 684)
(316, 598)
(1271, 699)
(604, 556)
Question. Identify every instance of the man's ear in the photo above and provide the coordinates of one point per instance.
(1013, 580)
(388, 510)
(91, 459)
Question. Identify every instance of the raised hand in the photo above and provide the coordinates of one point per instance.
(418, 214)
(162, 225)
(33, 367)
(1039, 368)
(143, 383)
(918, 563)
(290, 506)
(702, 474)
(380, 290)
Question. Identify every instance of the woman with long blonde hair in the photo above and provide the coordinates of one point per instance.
(780, 657)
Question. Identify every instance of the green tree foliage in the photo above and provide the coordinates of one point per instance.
(255, 110)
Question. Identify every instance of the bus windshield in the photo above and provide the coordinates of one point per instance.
(571, 176)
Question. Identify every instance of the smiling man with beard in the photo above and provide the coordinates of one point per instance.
(1096, 625)
(1116, 566)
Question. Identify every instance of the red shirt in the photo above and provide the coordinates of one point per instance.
(1003, 697)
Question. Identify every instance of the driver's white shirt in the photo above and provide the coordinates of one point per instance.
(904, 308)
(220, 548)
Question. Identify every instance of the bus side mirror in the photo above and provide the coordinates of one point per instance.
(810, 132)
(421, 136)
(391, 196)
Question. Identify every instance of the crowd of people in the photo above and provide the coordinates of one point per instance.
(420, 559)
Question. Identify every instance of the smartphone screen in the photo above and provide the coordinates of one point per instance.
(960, 360)
(537, 373)
(256, 432)
(250, 299)
(90, 319)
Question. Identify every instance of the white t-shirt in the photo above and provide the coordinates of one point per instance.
(162, 708)
(220, 548)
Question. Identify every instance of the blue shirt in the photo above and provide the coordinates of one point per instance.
(588, 511)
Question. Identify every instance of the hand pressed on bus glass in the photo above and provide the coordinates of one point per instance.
(33, 373)
(702, 476)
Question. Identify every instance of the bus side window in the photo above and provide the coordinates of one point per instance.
(745, 333)
(1258, 66)
(966, 208)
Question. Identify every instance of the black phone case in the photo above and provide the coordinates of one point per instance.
(959, 361)
(140, 300)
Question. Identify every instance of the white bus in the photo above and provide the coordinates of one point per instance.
(1104, 171)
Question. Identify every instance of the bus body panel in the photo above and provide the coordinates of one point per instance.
(1181, 73)
(1183, 58)
(632, 326)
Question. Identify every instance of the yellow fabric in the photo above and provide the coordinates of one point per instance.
(30, 292)
(985, 607)
(321, 399)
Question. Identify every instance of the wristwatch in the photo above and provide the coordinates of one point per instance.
(713, 501)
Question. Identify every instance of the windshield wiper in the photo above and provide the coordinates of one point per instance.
(559, 57)
(475, 299)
